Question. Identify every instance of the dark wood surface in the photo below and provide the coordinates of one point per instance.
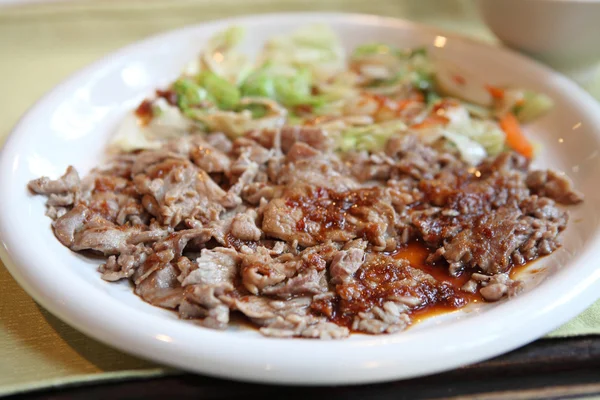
(546, 369)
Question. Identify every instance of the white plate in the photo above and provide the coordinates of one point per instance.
(71, 125)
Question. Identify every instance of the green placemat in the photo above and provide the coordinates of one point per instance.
(43, 44)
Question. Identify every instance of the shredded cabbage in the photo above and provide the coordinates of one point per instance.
(225, 94)
(296, 90)
(190, 94)
(337, 93)
(477, 110)
(304, 78)
(221, 57)
(534, 105)
(390, 70)
(234, 124)
(527, 105)
(381, 48)
(291, 90)
(130, 136)
(315, 47)
(259, 83)
(470, 151)
(484, 132)
(168, 122)
(208, 87)
(371, 137)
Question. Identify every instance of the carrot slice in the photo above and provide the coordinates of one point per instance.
(514, 135)
(496, 92)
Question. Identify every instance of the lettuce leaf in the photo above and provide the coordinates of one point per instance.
(484, 132)
(371, 137)
(314, 47)
(189, 93)
(259, 83)
(288, 89)
(226, 94)
(369, 49)
(390, 70)
(250, 114)
(533, 106)
(470, 150)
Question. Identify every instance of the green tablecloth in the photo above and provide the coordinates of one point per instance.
(43, 44)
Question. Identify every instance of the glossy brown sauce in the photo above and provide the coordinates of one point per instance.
(397, 277)
(516, 271)
(144, 112)
(329, 209)
(232, 241)
(381, 279)
(416, 253)
(104, 184)
(169, 95)
(443, 297)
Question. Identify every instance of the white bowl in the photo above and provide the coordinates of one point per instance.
(562, 33)
(72, 124)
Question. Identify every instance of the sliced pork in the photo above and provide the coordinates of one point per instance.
(303, 241)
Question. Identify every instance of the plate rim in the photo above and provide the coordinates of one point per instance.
(371, 369)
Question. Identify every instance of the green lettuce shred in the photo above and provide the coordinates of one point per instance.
(295, 90)
(412, 67)
(207, 87)
(260, 83)
(314, 47)
(489, 135)
(189, 93)
(370, 138)
(223, 58)
(370, 49)
(226, 94)
(484, 132)
(289, 90)
(534, 105)
(224, 91)
(229, 38)
(257, 110)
